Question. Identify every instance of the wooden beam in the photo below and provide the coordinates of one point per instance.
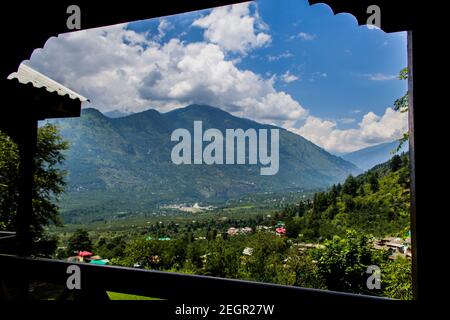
(170, 285)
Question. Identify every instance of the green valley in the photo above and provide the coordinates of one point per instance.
(119, 165)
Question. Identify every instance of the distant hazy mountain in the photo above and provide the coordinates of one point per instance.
(369, 157)
(124, 163)
(116, 114)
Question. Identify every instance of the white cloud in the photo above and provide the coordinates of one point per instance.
(103, 64)
(287, 77)
(140, 73)
(163, 27)
(381, 77)
(284, 55)
(279, 102)
(234, 28)
(372, 130)
(303, 36)
(120, 69)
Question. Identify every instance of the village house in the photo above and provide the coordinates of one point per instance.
(395, 246)
(281, 231)
(88, 257)
(235, 231)
(247, 251)
(262, 228)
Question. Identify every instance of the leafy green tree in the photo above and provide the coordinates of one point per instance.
(137, 251)
(79, 241)
(269, 251)
(110, 247)
(293, 227)
(344, 261)
(9, 175)
(49, 183)
(222, 260)
(193, 255)
(306, 273)
(396, 279)
(401, 105)
(173, 254)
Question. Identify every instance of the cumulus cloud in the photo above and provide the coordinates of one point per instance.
(104, 64)
(163, 27)
(234, 28)
(372, 130)
(121, 69)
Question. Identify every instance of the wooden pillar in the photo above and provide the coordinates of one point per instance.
(412, 157)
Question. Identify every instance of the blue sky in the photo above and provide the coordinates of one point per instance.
(280, 62)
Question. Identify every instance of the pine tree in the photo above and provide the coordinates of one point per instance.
(396, 163)
(350, 186)
(373, 182)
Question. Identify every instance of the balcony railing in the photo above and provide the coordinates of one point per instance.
(97, 280)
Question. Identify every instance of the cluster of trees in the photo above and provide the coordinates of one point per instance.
(340, 264)
(376, 202)
(342, 219)
(270, 259)
(204, 228)
(48, 185)
(344, 262)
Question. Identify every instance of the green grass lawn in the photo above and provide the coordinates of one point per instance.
(52, 292)
(123, 296)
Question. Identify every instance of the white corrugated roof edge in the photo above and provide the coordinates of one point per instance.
(25, 74)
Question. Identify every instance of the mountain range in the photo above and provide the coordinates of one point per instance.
(371, 156)
(124, 163)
